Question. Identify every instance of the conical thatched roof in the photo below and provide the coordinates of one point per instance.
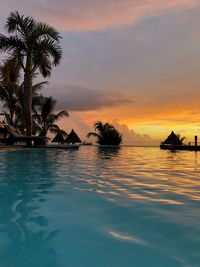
(58, 138)
(72, 138)
(172, 139)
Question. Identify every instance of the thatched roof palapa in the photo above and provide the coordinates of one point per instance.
(58, 139)
(172, 139)
(72, 138)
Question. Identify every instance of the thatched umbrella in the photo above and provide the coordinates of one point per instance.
(172, 139)
(58, 139)
(72, 138)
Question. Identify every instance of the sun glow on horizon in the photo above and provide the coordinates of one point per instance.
(131, 63)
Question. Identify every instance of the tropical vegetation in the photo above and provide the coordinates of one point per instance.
(45, 119)
(11, 94)
(106, 134)
(33, 47)
(181, 138)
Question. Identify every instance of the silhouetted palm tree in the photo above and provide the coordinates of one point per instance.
(45, 118)
(34, 46)
(181, 138)
(107, 134)
(11, 94)
(9, 85)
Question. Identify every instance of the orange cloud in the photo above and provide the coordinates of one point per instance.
(181, 110)
(146, 121)
(70, 15)
(154, 119)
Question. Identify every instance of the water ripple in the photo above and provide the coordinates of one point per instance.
(146, 199)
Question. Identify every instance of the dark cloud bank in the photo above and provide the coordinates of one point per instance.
(75, 98)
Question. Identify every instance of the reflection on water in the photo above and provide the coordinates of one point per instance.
(83, 206)
(21, 190)
(108, 152)
(146, 174)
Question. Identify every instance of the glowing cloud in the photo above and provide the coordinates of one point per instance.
(134, 63)
(79, 15)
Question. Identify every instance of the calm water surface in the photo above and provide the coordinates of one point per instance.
(99, 208)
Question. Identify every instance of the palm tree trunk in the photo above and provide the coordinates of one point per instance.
(28, 95)
(12, 112)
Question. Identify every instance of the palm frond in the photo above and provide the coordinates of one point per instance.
(59, 115)
(10, 71)
(38, 86)
(64, 133)
(54, 129)
(8, 44)
(44, 30)
(50, 47)
(20, 24)
(44, 65)
(98, 126)
(93, 135)
(48, 104)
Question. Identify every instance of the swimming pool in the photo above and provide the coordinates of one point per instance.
(99, 207)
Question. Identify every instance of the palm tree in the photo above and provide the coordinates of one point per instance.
(9, 84)
(107, 134)
(34, 46)
(181, 138)
(11, 94)
(45, 118)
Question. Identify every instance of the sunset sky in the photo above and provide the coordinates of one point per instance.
(134, 63)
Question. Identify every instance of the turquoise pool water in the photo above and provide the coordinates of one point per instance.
(99, 208)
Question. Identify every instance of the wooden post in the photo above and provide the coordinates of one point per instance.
(195, 140)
